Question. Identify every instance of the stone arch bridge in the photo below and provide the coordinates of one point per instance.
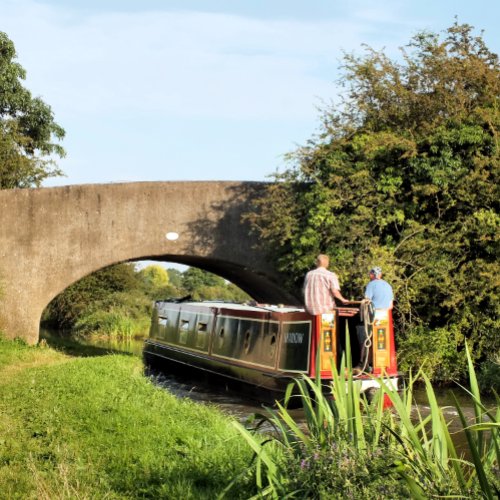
(52, 237)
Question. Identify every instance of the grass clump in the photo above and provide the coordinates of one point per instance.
(97, 428)
(115, 323)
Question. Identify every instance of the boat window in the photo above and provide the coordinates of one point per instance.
(221, 337)
(202, 330)
(163, 321)
(246, 343)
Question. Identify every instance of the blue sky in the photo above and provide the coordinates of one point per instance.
(152, 90)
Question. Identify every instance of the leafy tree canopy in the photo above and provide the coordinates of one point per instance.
(174, 277)
(27, 128)
(405, 174)
(102, 289)
(154, 276)
(194, 278)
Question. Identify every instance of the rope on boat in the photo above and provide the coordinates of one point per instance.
(367, 315)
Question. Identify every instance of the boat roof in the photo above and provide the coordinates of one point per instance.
(256, 307)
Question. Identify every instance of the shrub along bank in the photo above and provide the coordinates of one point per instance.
(350, 449)
(117, 301)
(95, 427)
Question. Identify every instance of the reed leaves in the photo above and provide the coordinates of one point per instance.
(402, 451)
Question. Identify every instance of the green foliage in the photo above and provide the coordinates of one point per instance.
(101, 291)
(343, 472)
(97, 428)
(155, 279)
(27, 128)
(156, 283)
(175, 277)
(154, 276)
(406, 175)
(225, 292)
(202, 285)
(194, 278)
(113, 323)
(117, 301)
(489, 376)
(350, 449)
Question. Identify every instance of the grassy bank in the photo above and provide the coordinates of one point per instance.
(95, 427)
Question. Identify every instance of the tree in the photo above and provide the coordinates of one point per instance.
(202, 285)
(174, 277)
(103, 290)
(27, 128)
(194, 278)
(154, 276)
(405, 174)
(156, 281)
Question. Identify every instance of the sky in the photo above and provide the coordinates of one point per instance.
(151, 90)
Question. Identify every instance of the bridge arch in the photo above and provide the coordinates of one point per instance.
(52, 237)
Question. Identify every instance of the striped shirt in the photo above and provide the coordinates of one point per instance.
(319, 285)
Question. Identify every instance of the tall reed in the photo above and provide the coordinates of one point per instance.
(115, 323)
(402, 448)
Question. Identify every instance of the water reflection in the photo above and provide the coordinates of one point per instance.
(90, 346)
(223, 397)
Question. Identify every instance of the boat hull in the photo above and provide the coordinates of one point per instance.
(262, 385)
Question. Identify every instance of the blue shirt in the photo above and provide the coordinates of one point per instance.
(380, 293)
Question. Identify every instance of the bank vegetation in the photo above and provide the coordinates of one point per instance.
(117, 301)
(98, 427)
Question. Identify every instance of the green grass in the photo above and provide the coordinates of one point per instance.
(95, 427)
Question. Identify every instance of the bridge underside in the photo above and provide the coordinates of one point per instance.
(257, 285)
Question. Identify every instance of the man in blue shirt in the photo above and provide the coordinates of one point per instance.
(378, 290)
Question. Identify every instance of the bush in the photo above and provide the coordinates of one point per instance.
(489, 376)
(113, 323)
(350, 449)
(440, 352)
(341, 471)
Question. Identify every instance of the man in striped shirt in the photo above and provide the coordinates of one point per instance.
(321, 287)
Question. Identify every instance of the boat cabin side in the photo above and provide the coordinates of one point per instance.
(273, 340)
(283, 340)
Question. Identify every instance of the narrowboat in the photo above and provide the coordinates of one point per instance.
(263, 347)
